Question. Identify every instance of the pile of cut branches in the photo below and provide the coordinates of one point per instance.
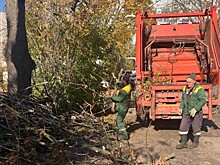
(32, 134)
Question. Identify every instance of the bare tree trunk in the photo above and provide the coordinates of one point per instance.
(19, 62)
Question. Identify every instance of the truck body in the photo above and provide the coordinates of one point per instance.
(166, 54)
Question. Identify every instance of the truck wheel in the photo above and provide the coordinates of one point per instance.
(142, 116)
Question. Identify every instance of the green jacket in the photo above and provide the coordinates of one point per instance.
(123, 98)
(197, 99)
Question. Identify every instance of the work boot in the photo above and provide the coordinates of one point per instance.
(123, 137)
(183, 142)
(122, 134)
(195, 142)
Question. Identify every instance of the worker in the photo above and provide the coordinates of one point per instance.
(122, 101)
(192, 101)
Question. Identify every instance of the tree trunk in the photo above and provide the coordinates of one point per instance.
(18, 59)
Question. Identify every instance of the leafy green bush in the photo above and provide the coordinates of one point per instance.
(66, 44)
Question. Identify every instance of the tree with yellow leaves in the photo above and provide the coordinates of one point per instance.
(78, 43)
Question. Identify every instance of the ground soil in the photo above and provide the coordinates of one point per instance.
(154, 140)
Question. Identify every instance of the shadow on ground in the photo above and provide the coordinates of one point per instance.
(169, 125)
(209, 123)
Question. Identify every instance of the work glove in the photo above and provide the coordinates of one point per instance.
(180, 111)
(193, 112)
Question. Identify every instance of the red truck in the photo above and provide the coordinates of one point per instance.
(167, 53)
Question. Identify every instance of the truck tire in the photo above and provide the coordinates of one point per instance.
(143, 115)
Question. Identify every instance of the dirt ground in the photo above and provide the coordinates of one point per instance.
(159, 139)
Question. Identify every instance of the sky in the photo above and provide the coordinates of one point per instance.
(2, 5)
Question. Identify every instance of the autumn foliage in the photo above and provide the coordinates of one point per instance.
(77, 44)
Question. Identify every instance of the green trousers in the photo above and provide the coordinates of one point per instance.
(121, 130)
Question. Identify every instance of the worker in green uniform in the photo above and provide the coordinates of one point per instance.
(193, 99)
(122, 101)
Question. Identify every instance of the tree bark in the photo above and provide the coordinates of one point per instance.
(18, 59)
